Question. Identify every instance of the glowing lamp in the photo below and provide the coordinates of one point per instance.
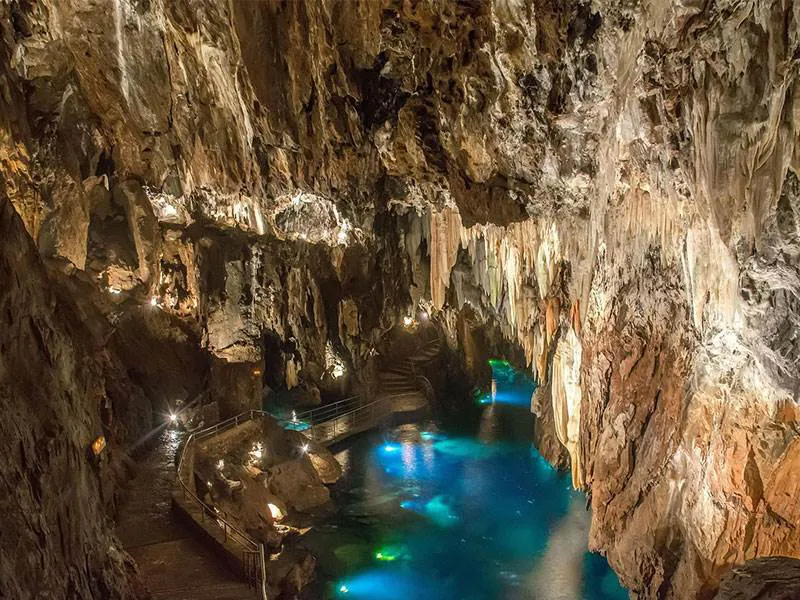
(407, 321)
(98, 445)
(154, 301)
(343, 589)
(221, 464)
(338, 370)
(173, 418)
(304, 448)
(276, 512)
(256, 372)
(258, 451)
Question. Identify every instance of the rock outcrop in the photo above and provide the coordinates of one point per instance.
(611, 187)
(772, 578)
(54, 396)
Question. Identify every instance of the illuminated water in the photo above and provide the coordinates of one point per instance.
(468, 512)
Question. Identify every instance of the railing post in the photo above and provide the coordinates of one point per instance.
(263, 569)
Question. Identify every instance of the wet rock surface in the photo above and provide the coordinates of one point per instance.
(172, 561)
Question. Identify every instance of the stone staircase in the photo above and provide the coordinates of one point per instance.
(401, 375)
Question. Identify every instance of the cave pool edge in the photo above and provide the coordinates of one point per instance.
(458, 508)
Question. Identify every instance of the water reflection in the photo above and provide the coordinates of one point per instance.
(459, 517)
(557, 575)
(489, 428)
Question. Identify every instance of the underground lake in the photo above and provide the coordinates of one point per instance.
(458, 507)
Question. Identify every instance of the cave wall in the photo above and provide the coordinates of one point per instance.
(612, 185)
(55, 385)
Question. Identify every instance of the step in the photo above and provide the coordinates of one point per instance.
(405, 383)
(400, 390)
(403, 365)
(395, 376)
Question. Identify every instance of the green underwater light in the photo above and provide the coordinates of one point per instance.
(392, 552)
(499, 363)
(485, 398)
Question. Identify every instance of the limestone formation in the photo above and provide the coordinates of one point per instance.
(605, 191)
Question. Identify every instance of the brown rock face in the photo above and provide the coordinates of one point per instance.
(771, 578)
(55, 537)
(607, 190)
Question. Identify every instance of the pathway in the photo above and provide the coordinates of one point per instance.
(401, 373)
(173, 563)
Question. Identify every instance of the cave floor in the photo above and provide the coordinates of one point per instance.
(173, 564)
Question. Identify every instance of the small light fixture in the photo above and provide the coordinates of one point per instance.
(294, 416)
(407, 321)
(256, 372)
(154, 301)
(343, 589)
(304, 448)
(258, 451)
(209, 484)
(221, 464)
(276, 512)
(98, 445)
(173, 418)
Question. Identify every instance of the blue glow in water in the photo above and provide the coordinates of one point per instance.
(437, 510)
(480, 517)
(466, 448)
(388, 583)
(295, 425)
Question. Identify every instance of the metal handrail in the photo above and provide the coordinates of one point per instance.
(327, 409)
(251, 547)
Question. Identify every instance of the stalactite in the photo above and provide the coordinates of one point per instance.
(445, 239)
(567, 396)
(513, 266)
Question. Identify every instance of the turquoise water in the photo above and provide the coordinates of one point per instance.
(458, 510)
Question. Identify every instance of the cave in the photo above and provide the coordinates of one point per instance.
(399, 299)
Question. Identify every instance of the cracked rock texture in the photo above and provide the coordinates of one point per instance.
(53, 394)
(610, 186)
